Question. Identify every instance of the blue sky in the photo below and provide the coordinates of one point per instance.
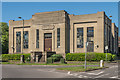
(12, 10)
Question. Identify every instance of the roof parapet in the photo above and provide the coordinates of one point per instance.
(51, 12)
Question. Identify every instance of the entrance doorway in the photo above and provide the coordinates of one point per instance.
(48, 42)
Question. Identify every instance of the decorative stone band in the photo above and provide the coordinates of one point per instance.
(48, 27)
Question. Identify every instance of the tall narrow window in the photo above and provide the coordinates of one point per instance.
(25, 40)
(18, 41)
(79, 37)
(58, 37)
(90, 34)
(37, 38)
(90, 39)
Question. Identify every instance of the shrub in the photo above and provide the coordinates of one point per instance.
(109, 56)
(56, 57)
(49, 60)
(28, 58)
(90, 56)
(62, 60)
(6, 57)
(114, 57)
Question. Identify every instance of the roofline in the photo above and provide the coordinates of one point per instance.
(51, 12)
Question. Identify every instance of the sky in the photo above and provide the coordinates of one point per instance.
(12, 10)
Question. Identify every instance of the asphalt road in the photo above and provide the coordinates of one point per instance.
(40, 71)
(29, 71)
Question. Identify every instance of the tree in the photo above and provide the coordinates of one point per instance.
(4, 37)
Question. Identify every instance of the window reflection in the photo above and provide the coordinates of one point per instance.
(58, 37)
(37, 38)
(18, 41)
(79, 37)
(25, 39)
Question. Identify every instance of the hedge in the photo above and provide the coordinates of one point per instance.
(6, 57)
(114, 57)
(90, 56)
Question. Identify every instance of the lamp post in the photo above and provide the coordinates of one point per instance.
(86, 55)
(106, 48)
(110, 16)
(22, 56)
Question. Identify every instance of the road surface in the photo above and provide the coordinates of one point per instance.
(41, 71)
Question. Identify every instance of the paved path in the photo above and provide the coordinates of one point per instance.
(111, 72)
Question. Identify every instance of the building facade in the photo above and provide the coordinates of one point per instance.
(119, 45)
(62, 33)
(115, 39)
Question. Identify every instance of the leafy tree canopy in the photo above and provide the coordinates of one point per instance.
(4, 36)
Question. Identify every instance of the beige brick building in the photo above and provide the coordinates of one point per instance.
(61, 33)
(115, 39)
(119, 45)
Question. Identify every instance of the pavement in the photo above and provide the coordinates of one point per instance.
(46, 71)
(111, 72)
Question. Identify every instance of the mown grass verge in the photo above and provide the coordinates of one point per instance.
(80, 69)
(57, 64)
(68, 63)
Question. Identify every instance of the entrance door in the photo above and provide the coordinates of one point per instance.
(48, 42)
(90, 47)
(18, 41)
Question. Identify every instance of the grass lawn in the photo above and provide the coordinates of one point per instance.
(82, 63)
(80, 69)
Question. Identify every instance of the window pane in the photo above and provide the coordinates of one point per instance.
(48, 35)
(79, 37)
(25, 39)
(58, 37)
(37, 38)
(18, 41)
(90, 39)
(90, 34)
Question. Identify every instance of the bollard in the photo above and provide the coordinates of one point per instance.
(32, 57)
(45, 56)
(101, 63)
(37, 59)
(22, 59)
